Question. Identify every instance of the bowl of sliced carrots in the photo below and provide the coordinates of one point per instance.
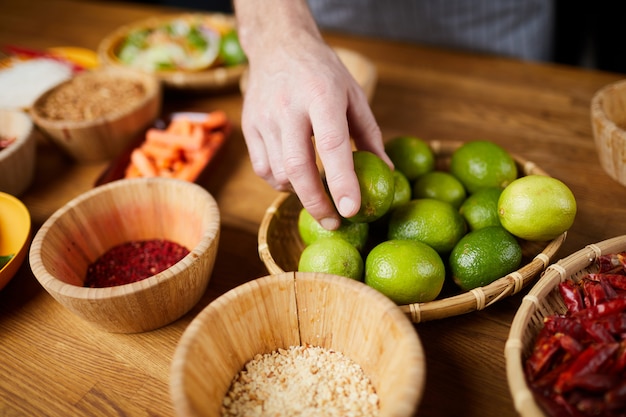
(179, 146)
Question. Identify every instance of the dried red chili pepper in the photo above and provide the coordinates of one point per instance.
(570, 292)
(588, 362)
(133, 261)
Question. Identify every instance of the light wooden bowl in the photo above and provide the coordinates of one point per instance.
(17, 161)
(362, 69)
(119, 212)
(296, 309)
(102, 138)
(214, 78)
(280, 247)
(541, 301)
(608, 119)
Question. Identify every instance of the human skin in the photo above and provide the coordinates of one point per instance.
(298, 88)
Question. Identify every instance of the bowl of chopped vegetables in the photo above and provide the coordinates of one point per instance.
(17, 151)
(191, 51)
(299, 343)
(131, 255)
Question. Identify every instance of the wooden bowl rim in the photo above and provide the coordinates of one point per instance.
(416, 364)
(151, 84)
(465, 302)
(208, 78)
(23, 138)
(532, 305)
(597, 106)
(56, 286)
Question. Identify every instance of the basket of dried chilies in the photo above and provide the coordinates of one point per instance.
(566, 351)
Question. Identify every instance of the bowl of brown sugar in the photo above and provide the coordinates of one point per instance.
(96, 115)
(131, 255)
(299, 343)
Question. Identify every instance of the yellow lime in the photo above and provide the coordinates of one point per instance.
(536, 207)
(481, 208)
(440, 185)
(411, 156)
(481, 164)
(332, 255)
(406, 271)
(310, 230)
(376, 183)
(427, 220)
(484, 255)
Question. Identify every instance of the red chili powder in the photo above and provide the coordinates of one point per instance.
(133, 261)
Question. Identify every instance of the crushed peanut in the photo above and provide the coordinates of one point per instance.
(301, 381)
(91, 96)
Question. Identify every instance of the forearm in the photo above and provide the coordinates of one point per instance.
(269, 23)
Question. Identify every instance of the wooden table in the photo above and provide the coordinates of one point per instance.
(53, 364)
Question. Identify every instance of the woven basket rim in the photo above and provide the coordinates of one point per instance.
(554, 274)
(465, 302)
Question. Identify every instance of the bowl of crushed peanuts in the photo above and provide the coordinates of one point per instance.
(129, 256)
(96, 115)
(299, 343)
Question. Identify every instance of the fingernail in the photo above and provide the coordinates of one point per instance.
(329, 223)
(347, 206)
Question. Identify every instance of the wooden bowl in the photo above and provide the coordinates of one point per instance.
(15, 231)
(117, 119)
(214, 78)
(298, 309)
(362, 69)
(608, 119)
(17, 161)
(280, 247)
(544, 300)
(119, 212)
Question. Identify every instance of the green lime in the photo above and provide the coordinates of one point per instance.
(411, 156)
(536, 207)
(310, 230)
(231, 52)
(484, 255)
(376, 182)
(401, 190)
(406, 271)
(481, 164)
(427, 220)
(440, 185)
(332, 255)
(481, 208)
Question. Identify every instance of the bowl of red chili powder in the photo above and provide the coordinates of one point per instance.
(132, 255)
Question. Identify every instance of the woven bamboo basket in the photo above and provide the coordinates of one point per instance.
(280, 246)
(541, 301)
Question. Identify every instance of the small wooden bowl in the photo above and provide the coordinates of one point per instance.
(362, 69)
(105, 137)
(544, 300)
(296, 309)
(15, 235)
(280, 247)
(17, 161)
(119, 212)
(214, 78)
(608, 119)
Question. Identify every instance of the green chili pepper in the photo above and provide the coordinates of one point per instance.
(4, 259)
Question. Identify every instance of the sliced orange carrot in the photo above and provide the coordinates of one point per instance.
(180, 126)
(143, 163)
(215, 120)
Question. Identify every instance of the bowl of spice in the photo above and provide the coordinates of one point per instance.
(131, 255)
(96, 115)
(298, 343)
(17, 151)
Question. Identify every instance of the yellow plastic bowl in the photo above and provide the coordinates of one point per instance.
(14, 235)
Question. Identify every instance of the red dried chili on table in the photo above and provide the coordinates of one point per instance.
(578, 364)
(133, 261)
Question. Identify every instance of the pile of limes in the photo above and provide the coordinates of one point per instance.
(419, 225)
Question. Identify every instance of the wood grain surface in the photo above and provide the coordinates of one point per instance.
(53, 364)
